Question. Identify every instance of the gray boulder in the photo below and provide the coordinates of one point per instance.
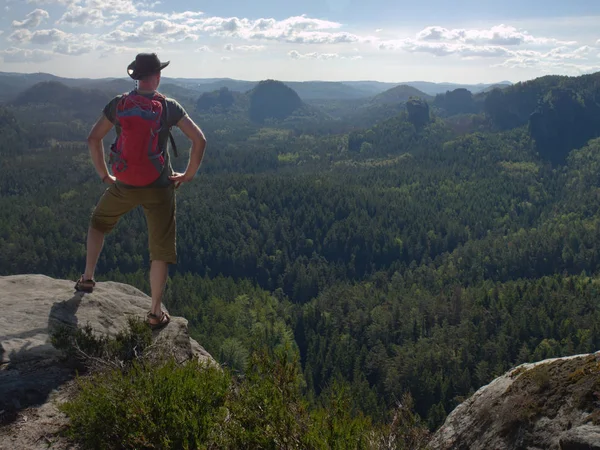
(585, 437)
(550, 405)
(34, 305)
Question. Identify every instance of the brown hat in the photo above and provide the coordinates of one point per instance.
(145, 64)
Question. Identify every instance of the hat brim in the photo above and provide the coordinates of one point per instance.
(132, 74)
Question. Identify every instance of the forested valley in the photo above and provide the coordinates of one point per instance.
(422, 245)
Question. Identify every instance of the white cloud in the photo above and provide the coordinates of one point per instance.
(102, 12)
(446, 48)
(557, 58)
(159, 30)
(110, 50)
(19, 36)
(124, 37)
(297, 29)
(438, 34)
(250, 48)
(185, 16)
(148, 4)
(320, 37)
(79, 16)
(224, 26)
(443, 49)
(119, 7)
(204, 48)
(225, 58)
(42, 37)
(20, 55)
(243, 48)
(52, 2)
(294, 54)
(548, 66)
(165, 30)
(64, 43)
(497, 35)
(128, 24)
(32, 20)
(72, 49)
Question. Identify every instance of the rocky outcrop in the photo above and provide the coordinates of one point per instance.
(549, 405)
(32, 306)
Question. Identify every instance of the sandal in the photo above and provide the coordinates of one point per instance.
(85, 285)
(162, 320)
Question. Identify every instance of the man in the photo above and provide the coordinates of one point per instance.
(157, 197)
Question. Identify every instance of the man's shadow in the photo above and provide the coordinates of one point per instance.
(33, 373)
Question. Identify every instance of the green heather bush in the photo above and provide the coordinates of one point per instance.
(335, 426)
(87, 347)
(164, 407)
(266, 409)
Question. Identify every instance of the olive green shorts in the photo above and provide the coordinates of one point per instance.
(159, 208)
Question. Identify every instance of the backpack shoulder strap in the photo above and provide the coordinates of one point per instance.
(163, 100)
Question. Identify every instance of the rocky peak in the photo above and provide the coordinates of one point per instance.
(31, 370)
(549, 405)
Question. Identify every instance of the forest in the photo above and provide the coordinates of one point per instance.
(420, 245)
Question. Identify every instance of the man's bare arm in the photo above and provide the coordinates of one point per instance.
(99, 131)
(194, 134)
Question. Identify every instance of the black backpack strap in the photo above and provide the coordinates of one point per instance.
(173, 145)
(163, 100)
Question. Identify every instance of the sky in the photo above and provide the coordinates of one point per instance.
(461, 41)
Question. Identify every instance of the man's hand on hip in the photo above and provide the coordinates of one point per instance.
(179, 178)
(109, 179)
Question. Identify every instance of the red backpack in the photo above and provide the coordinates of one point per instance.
(136, 158)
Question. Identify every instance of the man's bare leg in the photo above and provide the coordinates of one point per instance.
(159, 272)
(95, 242)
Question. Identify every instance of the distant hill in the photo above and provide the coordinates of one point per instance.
(222, 101)
(12, 84)
(512, 106)
(310, 90)
(216, 84)
(495, 86)
(440, 88)
(51, 110)
(399, 94)
(112, 86)
(366, 112)
(74, 100)
(272, 99)
(269, 101)
(458, 101)
(562, 113)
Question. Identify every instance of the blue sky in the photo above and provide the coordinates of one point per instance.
(388, 40)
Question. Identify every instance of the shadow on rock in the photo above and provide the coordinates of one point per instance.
(35, 369)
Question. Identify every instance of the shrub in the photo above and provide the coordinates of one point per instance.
(91, 349)
(141, 403)
(165, 406)
(335, 426)
(266, 409)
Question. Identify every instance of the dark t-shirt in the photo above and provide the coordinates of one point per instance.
(175, 113)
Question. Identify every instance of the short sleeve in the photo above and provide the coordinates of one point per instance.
(110, 110)
(176, 112)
